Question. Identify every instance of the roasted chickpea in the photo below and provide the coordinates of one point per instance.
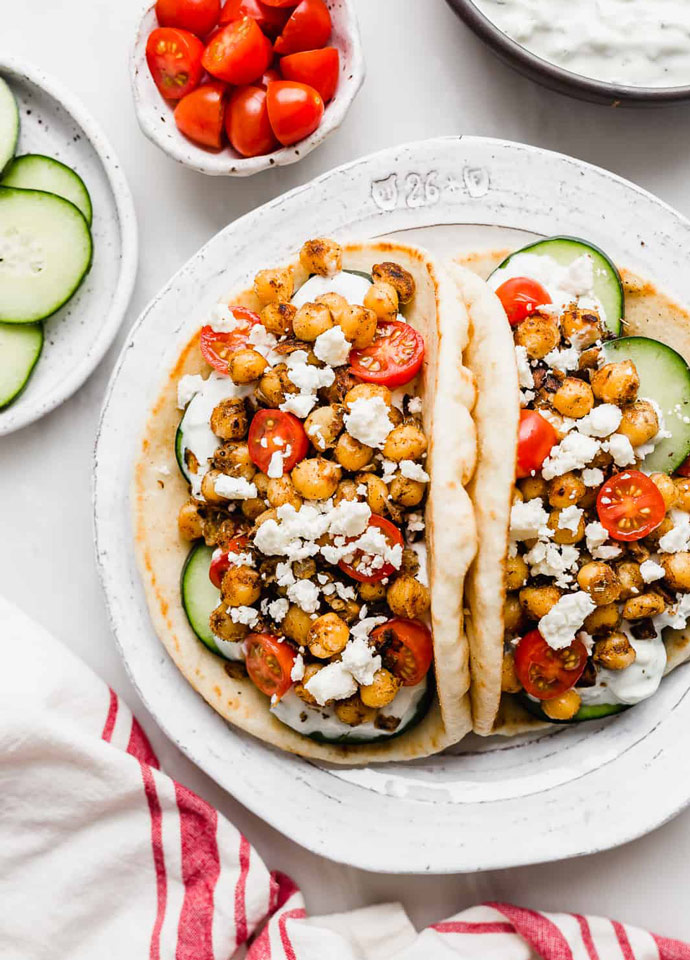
(599, 580)
(640, 422)
(400, 279)
(537, 601)
(322, 256)
(351, 454)
(509, 678)
(566, 490)
(316, 478)
(208, 487)
(311, 320)
(353, 712)
(271, 286)
(538, 334)
(410, 562)
(603, 620)
(223, 626)
(300, 688)
(277, 318)
(377, 492)
(556, 420)
(296, 624)
(382, 298)
(245, 366)
(564, 707)
(233, 458)
(513, 615)
(371, 592)
(358, 325)
(406, 442)
(323, 425)
(280, 491)
(189, 522)
(589, 359)
(532, 488)
(630, 578)
(666, 488)
(229, 419)
(275, 385)
(574, 398)
(516, 572)
(367, 391)
(566, 534)
(517, 495)
(241, 586)
(327, 636)
(616, 382)
(677, 570)
(304, 569)
(347, 490)
(253, 508)
(261, 481)
(270, 514)
(682, 493)
(406, 492)
(614, 652)
(646, 605)
(408, 597)
(382, 691)
(581, 327)
(657, 533)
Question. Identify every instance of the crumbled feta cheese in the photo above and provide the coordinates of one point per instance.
(361, 660)
(344, 591)
(284, 574)
(349, 519)
(365, 625)
(565, 618)
(332, 682)
(526, 397)
(415, 405)
(332, 347)
(277, 609)
(297, 672)
(368, 421)
(307, 377)
(525, 378)
(574, 452)
(415, 522)
(275, 465)
(223, 320)
(264, 342)
(305, 594)
(234, 488)
(528, 520)
(553, 560)
(569, 518)
(620, 449)
(592, 477)
(601, 421)
(677, 617)
(414, 471)
(651, 571)
(187, 387)
(561, 425)
(301, 404)
(596, 534)
(389, 468)
(677, 540)
(246, 615)
(564, 360)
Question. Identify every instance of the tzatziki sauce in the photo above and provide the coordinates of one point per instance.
(638, 43)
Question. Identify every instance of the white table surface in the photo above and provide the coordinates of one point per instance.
(427, 76)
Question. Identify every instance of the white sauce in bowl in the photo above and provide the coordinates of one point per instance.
(639, 43)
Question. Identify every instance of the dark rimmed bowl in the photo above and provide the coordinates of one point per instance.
(556, 78)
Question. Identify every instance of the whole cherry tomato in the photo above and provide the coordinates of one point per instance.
(536, 437)
(294, 109)
(199, 115)
(174, 59)
(521, 297)
(197, 16)
(247, 124)
(308, 28)
(318, 68)
(238, 53)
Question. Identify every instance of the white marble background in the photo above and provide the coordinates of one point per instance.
(427, 76)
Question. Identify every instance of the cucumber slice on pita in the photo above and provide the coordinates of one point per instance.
(592, 711)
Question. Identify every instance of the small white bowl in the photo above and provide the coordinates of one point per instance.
(155, 115)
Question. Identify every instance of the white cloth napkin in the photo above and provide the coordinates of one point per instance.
(103, 857)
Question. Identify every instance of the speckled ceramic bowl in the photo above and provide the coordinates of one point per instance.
(155, 115)
(556, 78)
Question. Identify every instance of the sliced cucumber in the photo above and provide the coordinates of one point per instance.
(199, 596)
(607, 282)
(664, 377)
(45, 252)
(20, 348)
(586, 712)
(9, 124)
(181, 449)
(36, 172)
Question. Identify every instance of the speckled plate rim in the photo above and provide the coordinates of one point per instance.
(27, 411)
(635, 789)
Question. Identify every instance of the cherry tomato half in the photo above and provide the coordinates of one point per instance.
(220, 564)
(536, 437)
(395, 357)
(546, 673)
(630, 505)
(373, 575)
(521, 297)
(238, 53)
(174, 59)
(217, 346)
(269, 663)
(684, 469)
(273, 431)
(308, 28)
(199, 115)
(406, 649)
(318, 68)
(270, 19)
(197, 16)
(295, 110)
(247, 124)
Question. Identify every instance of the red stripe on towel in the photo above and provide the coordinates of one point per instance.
(200, 872)
(158, 859)
(110, 719)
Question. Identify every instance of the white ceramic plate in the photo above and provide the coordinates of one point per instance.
(484, 804)
(155, 115)
(54, 123)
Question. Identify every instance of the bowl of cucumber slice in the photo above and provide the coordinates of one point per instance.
(68, 248)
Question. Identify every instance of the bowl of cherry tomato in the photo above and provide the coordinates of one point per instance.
(233, 87)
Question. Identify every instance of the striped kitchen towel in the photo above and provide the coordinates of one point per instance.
(104, 856)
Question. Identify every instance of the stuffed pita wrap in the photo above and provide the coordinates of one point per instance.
(304, 561)
(579, 594)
